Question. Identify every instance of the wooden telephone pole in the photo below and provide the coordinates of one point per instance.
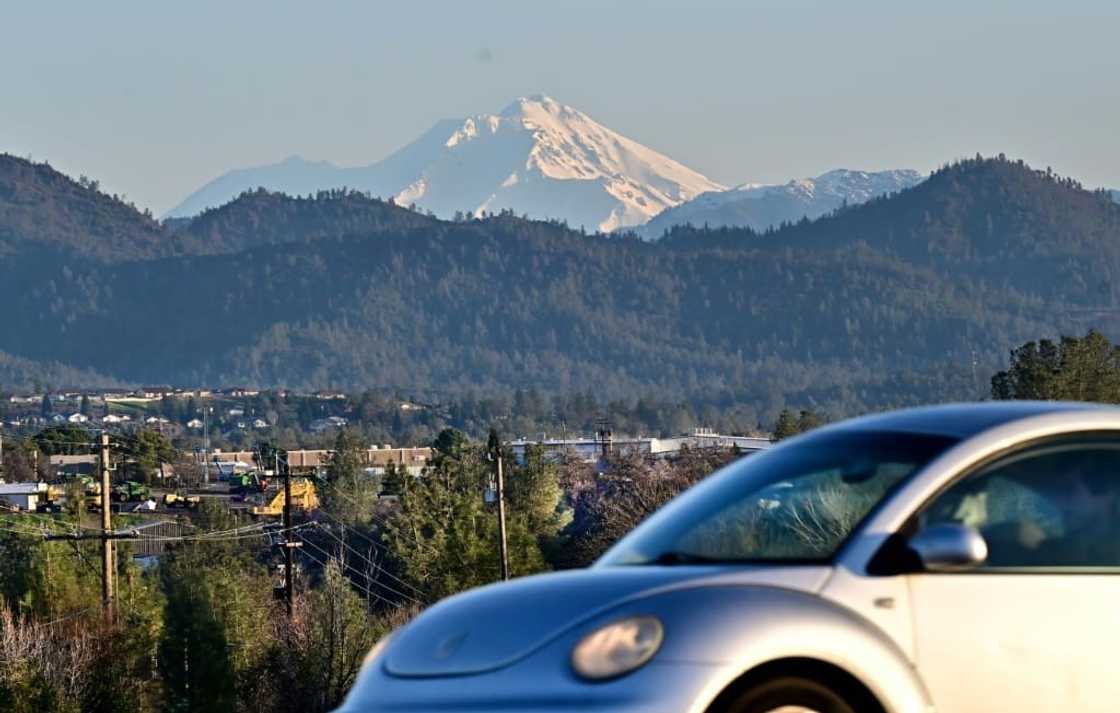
(502, 548)
(107, 559)
(495, 453)
(281, 468)
(289, 553)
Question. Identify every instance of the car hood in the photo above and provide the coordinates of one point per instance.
(494, 626)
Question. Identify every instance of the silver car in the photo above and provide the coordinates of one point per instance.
(959, 559)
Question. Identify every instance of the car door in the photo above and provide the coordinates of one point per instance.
(1036, 627)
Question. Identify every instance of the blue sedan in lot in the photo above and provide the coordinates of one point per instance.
(958, 559)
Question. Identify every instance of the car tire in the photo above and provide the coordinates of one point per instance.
(790, 695)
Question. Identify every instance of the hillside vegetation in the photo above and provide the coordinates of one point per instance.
(910, 298)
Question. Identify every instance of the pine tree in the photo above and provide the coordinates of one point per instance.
(786, 425)
(348, 493)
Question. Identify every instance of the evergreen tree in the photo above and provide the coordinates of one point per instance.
(444, 537)
(146, 454)
(65, 438)
(392, 483)
(348, 493)
(786, 425)
(808, 420)
(1075, 369)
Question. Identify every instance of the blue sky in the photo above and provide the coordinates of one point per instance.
(156, 98)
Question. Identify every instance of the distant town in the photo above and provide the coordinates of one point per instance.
(196, 439)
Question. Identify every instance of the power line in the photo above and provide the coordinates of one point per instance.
(377, 545)
(347, 566)
(381, 519)
(218, 538)
(380, 569)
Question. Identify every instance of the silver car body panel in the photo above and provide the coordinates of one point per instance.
(715, 631)
(492, 627)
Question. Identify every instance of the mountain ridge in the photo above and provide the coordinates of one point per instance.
(761, 206)
(537, 156)
(872, 306)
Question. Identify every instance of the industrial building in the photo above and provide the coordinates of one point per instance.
(591, 448)
(21, 496)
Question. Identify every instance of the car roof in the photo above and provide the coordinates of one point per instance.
(964, 420)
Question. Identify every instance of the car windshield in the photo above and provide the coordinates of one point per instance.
(796, 503)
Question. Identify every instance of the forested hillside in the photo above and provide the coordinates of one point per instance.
(909, 298)
(20, 373)
(41, 207)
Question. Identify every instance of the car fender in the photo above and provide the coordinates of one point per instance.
(739, 628)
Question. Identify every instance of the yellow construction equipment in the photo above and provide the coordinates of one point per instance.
(51, 497)
(181, 500)
(303, 498)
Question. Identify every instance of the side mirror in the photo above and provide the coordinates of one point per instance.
(949, 547)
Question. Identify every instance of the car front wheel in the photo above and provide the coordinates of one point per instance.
(790, 695)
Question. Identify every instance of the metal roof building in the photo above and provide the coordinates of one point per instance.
(21, 496)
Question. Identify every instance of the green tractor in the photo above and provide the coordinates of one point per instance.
(242, 484)
(131, 491)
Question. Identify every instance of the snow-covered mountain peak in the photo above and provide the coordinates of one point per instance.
(861, 186)
(537, 156)
(535, 104)
(761, 206)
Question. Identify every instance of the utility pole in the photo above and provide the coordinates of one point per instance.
(206, 443)
(289, 563)
(605, 438)
(503, 551)
(107, 559)
(494, 453)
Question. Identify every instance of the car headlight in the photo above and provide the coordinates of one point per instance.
(617, 648)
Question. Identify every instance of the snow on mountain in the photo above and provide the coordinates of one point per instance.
(537, 156)
(760, 206)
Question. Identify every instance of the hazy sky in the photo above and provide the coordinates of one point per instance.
(155, 98)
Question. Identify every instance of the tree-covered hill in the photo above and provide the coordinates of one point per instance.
(909, 298)
(40, 207)
(996, 222)
(17, 373)
(260, 218)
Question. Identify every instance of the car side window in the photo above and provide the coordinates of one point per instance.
(1055, 506)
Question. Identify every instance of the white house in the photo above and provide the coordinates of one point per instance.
(195, 423)
(260, 423)
(112, 418)
(77, 418)
(322, 424)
